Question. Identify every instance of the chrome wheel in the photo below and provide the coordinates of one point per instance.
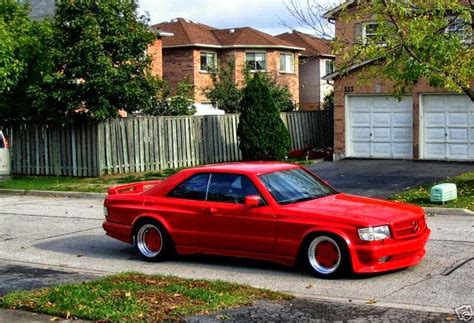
(149, 241)
(324, 255)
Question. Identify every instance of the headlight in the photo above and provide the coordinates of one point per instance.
(374, 233)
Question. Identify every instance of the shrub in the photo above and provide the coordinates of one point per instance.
(224, 93)
(173, 104)
(328, 103)
(262, 134)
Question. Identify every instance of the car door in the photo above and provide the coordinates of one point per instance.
(229, 224)
(182, 207)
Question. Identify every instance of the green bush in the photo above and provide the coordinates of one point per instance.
(328, 103)
(262, 134)
(173, 104)
(224, 93)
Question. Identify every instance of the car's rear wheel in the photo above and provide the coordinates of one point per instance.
(326, 256)
(151, 240)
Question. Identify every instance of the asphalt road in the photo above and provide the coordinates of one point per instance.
(382, 178)
(64, 236)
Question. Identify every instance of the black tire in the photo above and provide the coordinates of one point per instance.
(326, 256)
(151, 240)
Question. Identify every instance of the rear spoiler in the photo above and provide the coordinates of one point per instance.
(131, 188)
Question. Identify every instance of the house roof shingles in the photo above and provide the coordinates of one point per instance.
(314, 46)
(189, 33)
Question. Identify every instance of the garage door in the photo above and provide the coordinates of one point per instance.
(379, 127)
(447, 127)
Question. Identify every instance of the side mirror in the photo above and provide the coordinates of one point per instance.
(252, 200)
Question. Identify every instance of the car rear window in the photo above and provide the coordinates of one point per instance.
(194, 188)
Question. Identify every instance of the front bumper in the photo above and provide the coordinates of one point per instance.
(389, 254)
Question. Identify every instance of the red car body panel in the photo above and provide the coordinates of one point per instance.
(272, 232)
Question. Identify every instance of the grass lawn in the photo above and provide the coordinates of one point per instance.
(78, 184)
(421, 195)
(133, 296)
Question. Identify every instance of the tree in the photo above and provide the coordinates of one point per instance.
(262, 134)
(15, 28)
(24, 62)
(224, 93)
(173, 104)
(413, 40)
(100, 60)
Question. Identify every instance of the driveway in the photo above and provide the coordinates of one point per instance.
(382, 178)
(63, 237)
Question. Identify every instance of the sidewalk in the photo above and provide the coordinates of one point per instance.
(24, 316)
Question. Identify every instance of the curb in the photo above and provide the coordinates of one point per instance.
(99, 196)
(447, 211)
(12, 315)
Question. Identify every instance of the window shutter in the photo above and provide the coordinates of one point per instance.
(358, 33)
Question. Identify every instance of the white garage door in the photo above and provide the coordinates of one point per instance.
(379, 127)
(447, 127)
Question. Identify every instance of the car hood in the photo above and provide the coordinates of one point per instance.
(358, 209)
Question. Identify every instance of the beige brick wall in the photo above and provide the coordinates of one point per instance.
(156, 54)
(178, 64)
(181, 62)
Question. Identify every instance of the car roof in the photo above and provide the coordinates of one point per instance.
(260, 167)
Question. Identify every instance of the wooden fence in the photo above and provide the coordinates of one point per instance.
(146, 143)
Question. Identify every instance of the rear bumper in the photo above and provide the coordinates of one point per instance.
(118, 231)
(393, 254)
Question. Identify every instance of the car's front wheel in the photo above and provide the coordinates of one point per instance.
(151, 240)
(326, 256)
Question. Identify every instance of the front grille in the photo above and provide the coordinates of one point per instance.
(409, 228)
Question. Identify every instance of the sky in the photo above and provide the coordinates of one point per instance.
(264, 15)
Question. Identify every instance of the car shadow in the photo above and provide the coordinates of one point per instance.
(103, 247)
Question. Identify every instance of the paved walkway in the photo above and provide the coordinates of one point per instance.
(382, 178)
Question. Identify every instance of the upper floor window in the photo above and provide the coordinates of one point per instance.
(256, 61)
(208, 61)
(287, 62)
(329, 66)
(458, 26)
(369, 32)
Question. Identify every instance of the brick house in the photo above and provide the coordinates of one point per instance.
(315, 62)
(195, 47)
(428, 123)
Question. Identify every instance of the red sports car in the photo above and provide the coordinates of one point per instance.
(267, 210)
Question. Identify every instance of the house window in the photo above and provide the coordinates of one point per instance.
(287, 63)
(369, 32)
(329, 66)
(256, 61)
(458, 26)
(208, 61)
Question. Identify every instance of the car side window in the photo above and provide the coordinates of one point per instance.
(193, 188)
(230, 188)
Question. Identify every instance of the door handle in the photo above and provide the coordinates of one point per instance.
(211, 210)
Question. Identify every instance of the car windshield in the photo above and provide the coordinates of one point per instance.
(294, 185)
